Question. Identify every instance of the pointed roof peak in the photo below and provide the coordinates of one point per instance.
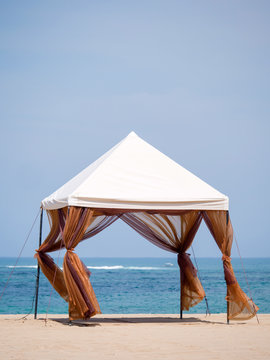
(132, 134)
(135, 175)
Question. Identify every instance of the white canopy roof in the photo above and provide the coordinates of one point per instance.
(135, 175)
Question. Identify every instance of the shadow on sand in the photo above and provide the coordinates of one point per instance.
(135, 320)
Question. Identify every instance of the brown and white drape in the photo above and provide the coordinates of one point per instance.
(69, 226)
(219, 224)
(171, 231)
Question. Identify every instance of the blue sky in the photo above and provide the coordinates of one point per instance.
(189, 77)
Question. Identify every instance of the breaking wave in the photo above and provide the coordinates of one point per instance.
(121, 267)
(22, 266)
(104, 267)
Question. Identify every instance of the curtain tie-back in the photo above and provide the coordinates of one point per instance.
(228, 271)
(226, 258)
(38, 252)
(84, 267)
(184, 262)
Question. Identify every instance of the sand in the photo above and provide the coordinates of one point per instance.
(134, 337)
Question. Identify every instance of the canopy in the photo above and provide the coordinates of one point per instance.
(135, 175)
(159, 199)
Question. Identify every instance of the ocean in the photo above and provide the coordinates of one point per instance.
(134, 285)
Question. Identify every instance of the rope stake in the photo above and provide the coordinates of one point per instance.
(242, 264)
(205, 298)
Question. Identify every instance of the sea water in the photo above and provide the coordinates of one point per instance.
(134, 285)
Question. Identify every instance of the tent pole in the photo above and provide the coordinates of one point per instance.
(181, 311)
(38, 268)
(227, 221)
(228, 321)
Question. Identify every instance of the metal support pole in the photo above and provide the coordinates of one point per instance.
(181, 311)
(228, 309)
(38, 268)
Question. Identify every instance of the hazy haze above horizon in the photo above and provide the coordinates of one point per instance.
(189, 77)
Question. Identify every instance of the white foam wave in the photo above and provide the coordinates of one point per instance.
(105, 267)
(22, 266)
(115, 267)
(121, 267)
(144, 268)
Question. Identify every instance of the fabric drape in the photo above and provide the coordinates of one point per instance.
(53, 242)
(82, 300)
(240, 306)
(173, 233)
(68, 227)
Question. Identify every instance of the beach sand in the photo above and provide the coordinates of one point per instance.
(134, 337)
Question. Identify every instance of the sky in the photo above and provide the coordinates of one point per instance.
(189, 77)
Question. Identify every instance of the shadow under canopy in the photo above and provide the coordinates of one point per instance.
(159, 199)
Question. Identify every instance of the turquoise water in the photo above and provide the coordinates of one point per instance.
(134, 285)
